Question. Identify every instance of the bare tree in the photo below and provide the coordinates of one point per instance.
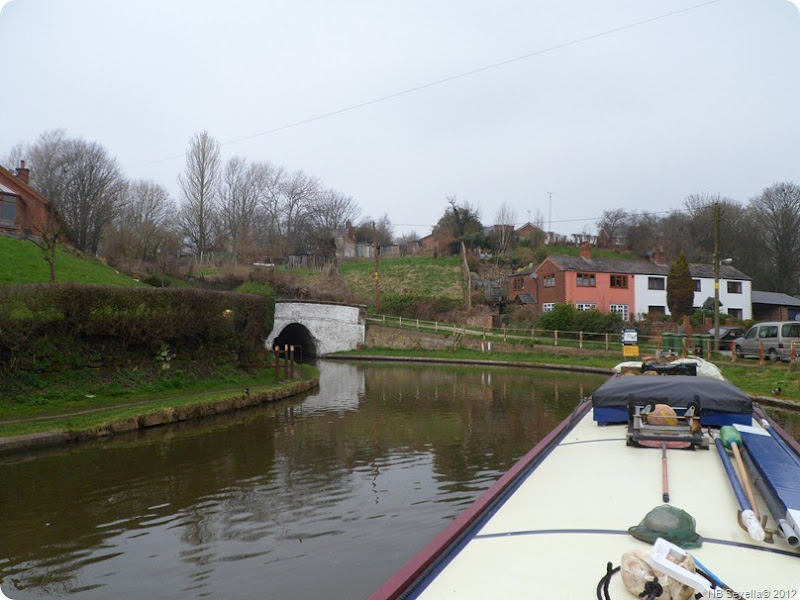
(610, 227)
(776, 216)
(81, 179)
(503, 231)
(198, 184)
(143, 223)
(241, 191)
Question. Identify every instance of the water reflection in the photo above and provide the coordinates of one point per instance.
(321, 496)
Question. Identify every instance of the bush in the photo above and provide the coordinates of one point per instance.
(70, 324)
(562, 318)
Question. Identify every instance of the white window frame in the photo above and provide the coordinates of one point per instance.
(621, 309)
(585, 305)
(548, 306)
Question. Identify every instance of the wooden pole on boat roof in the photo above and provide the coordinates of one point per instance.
(664, 473)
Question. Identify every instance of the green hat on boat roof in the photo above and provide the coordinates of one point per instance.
(672, 524)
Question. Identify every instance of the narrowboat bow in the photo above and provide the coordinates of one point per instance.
(673, 486)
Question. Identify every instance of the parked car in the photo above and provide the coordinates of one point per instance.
(775, 337)
(727, 334)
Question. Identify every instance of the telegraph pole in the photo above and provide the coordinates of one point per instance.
(716, 276)
(550, 214)
(375, 254)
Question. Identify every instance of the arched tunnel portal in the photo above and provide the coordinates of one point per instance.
(297, 335)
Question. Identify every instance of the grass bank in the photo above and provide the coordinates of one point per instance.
(84, 406)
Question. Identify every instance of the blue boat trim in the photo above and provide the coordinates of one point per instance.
(625, 532)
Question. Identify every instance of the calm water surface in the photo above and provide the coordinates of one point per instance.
(322, 496)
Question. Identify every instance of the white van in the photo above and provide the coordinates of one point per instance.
(775, 337)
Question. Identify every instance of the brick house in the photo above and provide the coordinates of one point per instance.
(23, 211)
(522, 287)
(631, 288)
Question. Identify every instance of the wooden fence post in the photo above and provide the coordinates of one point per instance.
(291, 358)
(606, 342)
(580, 340)
(555, 338)
(277, 364)
(286, 361)
(733, 352)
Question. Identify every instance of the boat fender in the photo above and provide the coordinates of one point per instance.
(645, 582)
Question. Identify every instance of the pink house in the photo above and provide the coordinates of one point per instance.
(602, 284)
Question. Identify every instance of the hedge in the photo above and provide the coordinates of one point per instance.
(68, 323)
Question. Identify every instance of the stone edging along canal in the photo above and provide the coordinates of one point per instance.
(153, 418)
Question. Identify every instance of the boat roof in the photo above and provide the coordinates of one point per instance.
(553, 533)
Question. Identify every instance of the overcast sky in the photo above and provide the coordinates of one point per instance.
(631, 104)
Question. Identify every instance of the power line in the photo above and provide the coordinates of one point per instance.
(430, 84)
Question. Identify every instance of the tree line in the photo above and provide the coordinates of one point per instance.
(761, 237)
(251, 211)
(258, 211)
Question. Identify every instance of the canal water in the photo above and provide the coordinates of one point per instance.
(320, 496)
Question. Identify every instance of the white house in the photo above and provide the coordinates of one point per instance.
(735, 289)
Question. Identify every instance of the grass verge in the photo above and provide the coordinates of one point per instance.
(85, 411)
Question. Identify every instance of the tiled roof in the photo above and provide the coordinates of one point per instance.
(608, 265)
(775, 298)
(639, 267)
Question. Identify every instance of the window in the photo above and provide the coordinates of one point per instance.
(734, 287)
(736, 313)
(8, 210)
(751, 333)
(658, 310)
(697, 286)
(621, 310)
(585, 280)
(790, 330)
(768, 331)
(548, 306)
(585, 305)
(519, 283)
(655, 283)
(619, 281)
(549, 280)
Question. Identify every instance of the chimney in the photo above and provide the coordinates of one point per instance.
(585, 251)
(23, 172)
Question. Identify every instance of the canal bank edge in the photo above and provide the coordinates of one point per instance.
(154, 418)
(764, 400)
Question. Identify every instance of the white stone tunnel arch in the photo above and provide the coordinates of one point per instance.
(319, 328)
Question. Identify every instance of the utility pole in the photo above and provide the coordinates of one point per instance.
(550, 214)
(716, 276)
(375, 254)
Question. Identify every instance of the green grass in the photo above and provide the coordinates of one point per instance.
(74, 402)
(418, 276)
(23, 262)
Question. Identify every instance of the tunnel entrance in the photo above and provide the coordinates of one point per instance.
(298, 336)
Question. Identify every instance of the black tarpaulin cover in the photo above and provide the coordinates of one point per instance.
(675, 390)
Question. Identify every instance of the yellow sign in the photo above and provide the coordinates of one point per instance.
(630, 351)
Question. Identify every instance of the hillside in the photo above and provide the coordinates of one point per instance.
(414, 276)
(23, 262)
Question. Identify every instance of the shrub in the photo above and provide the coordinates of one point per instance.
(68, 324)
(562, 318)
